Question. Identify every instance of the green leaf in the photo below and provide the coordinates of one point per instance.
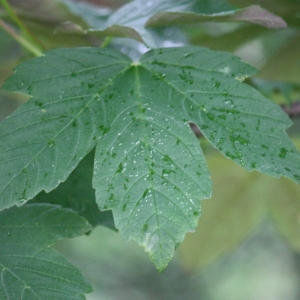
(78, 194)
(281, 66)
(30, 268)
(252, 14)
(43, 18)
(94, 15)
(234, 117)
(287, 9)
(149, 168)
(135, 19)
(65, 110)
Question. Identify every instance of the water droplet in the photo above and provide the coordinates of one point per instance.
(120, 168)
(211, 117)
(104, 129)
(217, 84)
(51, 143)
(236, 138)
(212, 135)
(145, 193)
(229, 102)
(283, 152)
(297, 177)
(90, 85)
(166, 158)
(38, 103)
(111, 198)
(145, 228)
(21, 202)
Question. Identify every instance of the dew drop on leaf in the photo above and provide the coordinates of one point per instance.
(211, 117)
(21, 202)
(217, 84)
(38, 103)
(51, 143)
(283, 153)
(145, 227)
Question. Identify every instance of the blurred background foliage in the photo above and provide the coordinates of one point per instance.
(247, 244)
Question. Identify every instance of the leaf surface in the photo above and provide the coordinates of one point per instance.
(65, 110)
(149, 169)
(30, 268)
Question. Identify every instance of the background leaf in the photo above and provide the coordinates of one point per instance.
(135, 19)
(213, 13)
(241, 201)
(30, 269)
(237, 206)
(43, 17)
(94, 15)
(78, 194)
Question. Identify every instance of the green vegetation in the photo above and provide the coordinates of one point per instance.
(103, 135)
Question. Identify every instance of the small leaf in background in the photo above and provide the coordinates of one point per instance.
(95, 16)
(30, 268)
(144, 15)
(9, 50)
(284, 204)
(235, 208)
(240, 202)
(136, 18)
(284, 65)
(149, 169)
(269, 88)
(43, 17)
(252, 14)
(288, 10)
(78, 194)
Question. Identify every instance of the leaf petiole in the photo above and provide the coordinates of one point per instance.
(22, 41)
(106, 42)
(28, 41)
